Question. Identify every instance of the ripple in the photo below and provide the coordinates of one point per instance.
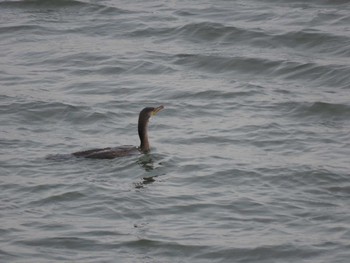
(249, 159)
(43, 3)
(64, 197)
(314, 39)
(322, 110)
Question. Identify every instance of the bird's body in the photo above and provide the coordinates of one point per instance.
(114, 152)
(108, 153)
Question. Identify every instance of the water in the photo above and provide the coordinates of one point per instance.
(249, 160)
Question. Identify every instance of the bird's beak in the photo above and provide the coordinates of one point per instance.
(158, 109)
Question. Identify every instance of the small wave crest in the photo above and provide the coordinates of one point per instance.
(323, 110)
(41, 3)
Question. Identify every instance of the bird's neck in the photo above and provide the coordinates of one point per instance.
(142, 128)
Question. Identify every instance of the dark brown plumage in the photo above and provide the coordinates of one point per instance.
(114, 152)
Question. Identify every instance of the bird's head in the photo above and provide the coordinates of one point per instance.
(148, 112)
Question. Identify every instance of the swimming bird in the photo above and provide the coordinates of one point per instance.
(113, 152)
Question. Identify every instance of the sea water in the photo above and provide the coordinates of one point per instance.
(250, 157)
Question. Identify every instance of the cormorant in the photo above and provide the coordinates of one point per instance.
(113, 152)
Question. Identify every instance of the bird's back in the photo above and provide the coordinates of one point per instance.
(108, 153)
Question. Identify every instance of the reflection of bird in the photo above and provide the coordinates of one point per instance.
(110, 153)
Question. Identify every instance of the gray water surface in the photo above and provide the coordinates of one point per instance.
(250, 157)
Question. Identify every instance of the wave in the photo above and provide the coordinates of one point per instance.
(63, 197)
(316, 40)
(39, 112)
(322, 110)
(210, 95)
(317, 2)
(208, 31)
(213, 32)
(332, 74)
(42, 3)
(222, 64)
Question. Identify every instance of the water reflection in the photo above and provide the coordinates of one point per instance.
(146, 162)
(145, 181)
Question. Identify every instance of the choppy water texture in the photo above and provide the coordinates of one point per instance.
(250, 159)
